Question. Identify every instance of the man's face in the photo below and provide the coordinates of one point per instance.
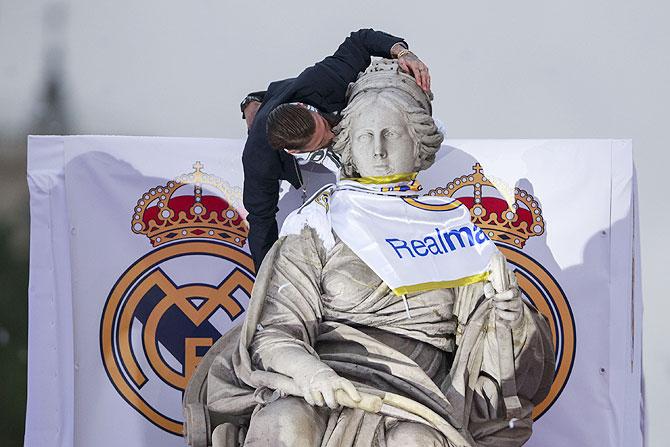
(381, 144)
(321, 137)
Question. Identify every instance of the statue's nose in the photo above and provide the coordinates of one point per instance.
(380, 151)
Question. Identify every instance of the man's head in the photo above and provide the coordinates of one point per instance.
(297, 129)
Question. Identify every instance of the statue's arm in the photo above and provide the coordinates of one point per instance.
(292, 307)
(519, 349)
(507, 308)
(289, 323)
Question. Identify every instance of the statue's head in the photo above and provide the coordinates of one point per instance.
(387, 127)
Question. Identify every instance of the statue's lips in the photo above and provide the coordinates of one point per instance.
(381, 168)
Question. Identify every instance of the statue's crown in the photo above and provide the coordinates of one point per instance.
(165, 216)
(513, 225)
(383, 74)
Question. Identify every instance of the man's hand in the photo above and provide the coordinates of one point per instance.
(411, 64)
(507, 303)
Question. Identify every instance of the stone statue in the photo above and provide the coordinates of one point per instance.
(329, 355)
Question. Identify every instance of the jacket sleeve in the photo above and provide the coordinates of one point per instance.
(264, 167)
(260, 196)
(331, 77)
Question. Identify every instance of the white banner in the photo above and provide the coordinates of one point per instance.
(413, 244)
(139, 262)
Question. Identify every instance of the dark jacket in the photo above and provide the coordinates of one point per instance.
(323, 86)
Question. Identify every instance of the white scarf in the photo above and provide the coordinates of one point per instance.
(413, 243)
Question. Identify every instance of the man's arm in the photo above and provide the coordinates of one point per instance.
(260, 199)
(262, 169)
(331, 77)
(353, 55)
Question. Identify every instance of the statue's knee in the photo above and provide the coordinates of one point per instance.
(410, 434)
(287, 421)
(294, 408)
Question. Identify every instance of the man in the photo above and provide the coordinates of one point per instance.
(298, 115)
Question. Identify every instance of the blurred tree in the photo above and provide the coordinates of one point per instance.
(13, 339)
(50, 118)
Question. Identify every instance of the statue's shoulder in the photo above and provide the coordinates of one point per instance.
(314, 213)
(437, 199)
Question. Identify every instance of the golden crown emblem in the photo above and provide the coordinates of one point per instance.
(513, 225)
(165, 216)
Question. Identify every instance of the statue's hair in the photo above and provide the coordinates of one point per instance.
(421, 127)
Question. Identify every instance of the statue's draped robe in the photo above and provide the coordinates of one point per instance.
(332, 305)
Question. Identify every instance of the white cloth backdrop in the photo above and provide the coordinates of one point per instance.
(93, 383)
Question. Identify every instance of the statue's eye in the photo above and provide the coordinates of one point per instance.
(390, 133)
(364, 137)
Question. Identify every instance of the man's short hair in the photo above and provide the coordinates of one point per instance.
(290, 126)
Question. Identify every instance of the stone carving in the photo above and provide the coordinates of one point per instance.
(329, 356)
(386, 99)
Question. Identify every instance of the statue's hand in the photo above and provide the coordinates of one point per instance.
(320, 388)
(507, 303)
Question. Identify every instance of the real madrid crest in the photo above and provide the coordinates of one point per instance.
(510, 227)
(172, 304)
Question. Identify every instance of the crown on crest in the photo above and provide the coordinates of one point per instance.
(501, 223)
(164, 216)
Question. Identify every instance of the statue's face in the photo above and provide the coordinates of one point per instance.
(380, 141)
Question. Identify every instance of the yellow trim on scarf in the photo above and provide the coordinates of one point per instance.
(384, 179)
(432, 207)
(426, 286)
